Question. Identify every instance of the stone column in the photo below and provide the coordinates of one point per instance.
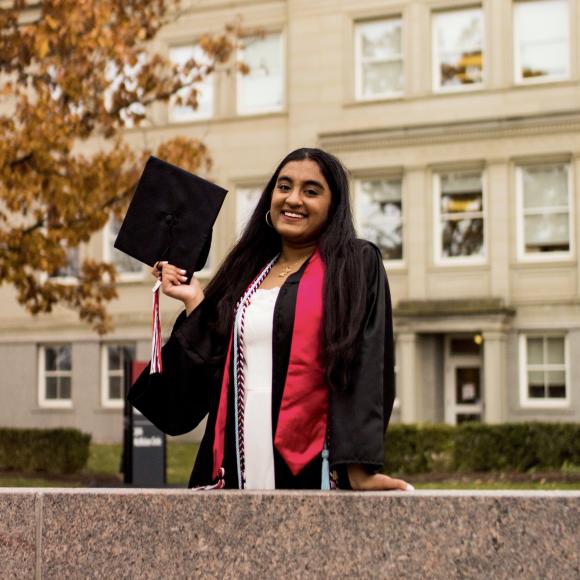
(406, 366)
(494, 376)
(499, 222)
(417, 225)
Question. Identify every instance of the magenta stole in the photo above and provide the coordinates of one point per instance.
(301, 429)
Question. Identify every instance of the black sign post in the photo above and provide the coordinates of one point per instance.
(144, 445)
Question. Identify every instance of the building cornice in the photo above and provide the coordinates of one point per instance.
(452, 132)
(446, 308)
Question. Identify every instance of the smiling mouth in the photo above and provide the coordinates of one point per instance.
(292, 214)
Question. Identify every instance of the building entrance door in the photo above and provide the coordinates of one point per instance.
(463, 379)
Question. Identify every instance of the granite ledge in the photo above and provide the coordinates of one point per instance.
(104, 533)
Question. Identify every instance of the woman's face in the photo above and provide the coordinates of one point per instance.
(300, 202)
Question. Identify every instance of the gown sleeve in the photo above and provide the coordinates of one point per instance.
(359, 415)
(177, 399)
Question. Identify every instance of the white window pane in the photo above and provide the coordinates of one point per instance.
(555, 350)
(117, 355)
(379, 60)
(381, 39)
(71, 268)
(550, 59)
(379, 215)
(114, 354)
(63, 358)
(556, 378)
(262, 88)
(459, 30)
(545, 186)
(556, 384)
(542, 20)
(463, 182)
(461, 68)
(115, 387)
(542, 30)
(536, 386)
(382, 77)
(461, 193)
(51, 388)
(64, 387)
(246, 201)
(547, 233)
(57, 358)
(535, 351)
(205, 95)
(459, 37)
(462, 238)
(123, 262)
(461, 202)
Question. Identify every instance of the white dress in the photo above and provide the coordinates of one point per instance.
(258, 381)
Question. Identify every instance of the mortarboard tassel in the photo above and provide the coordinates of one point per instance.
(156, 364)
(325, 479)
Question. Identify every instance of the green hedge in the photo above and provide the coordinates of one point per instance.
(481, 447)
(49, 450)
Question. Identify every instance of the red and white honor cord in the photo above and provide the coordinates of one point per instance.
(239, 369)
(156, 363)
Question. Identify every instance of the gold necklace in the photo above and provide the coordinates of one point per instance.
(287, 269)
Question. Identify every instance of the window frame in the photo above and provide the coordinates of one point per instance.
(395, 264)
(526, 402)
(522, 256)
(108, 242)
(517, 76)
(194, 115)
(43, 401)
(239, 111)
(436, 87)
(357, 53)
(106, 401)
(438, 258)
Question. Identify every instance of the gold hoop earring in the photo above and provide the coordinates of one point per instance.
(269, 222)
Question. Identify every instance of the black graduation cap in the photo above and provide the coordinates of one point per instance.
(170, 217)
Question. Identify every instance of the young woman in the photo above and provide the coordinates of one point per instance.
(288, 351)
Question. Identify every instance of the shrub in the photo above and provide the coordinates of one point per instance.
(419, 448)
(481, 447)
(49, 450)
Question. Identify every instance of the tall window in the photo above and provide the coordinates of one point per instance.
(541, 40)
(113, 372)
(262, 90)
(205, 88)
(246, 200)
(545, 217)
(379, 213)
(55, 375)
(379, 58)
(458, 51)
(125, 264)
(459, 217)
(543, 371)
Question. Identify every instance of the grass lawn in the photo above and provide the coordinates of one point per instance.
(103, 469)
(180, 459)
(513, 485)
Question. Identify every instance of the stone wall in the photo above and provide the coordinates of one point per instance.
(182, 534)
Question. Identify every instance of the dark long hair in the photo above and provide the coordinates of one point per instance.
(344, 280)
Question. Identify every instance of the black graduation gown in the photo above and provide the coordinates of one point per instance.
(189, 387)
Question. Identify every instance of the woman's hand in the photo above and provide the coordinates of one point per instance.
(361, 480)
(174, 284)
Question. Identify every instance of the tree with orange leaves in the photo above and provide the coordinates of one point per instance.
(72, 71)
